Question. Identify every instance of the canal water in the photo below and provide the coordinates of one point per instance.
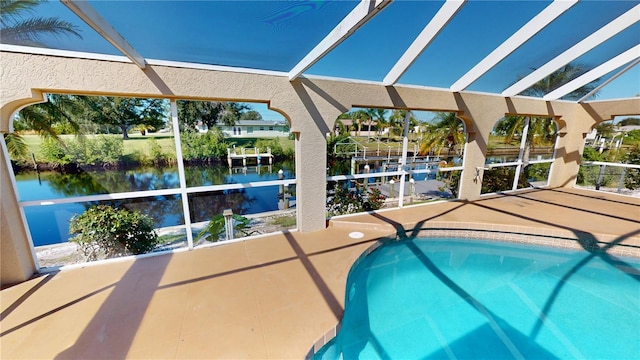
(50, 224)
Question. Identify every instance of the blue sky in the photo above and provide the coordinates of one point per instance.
(277, 34)
(273, 115)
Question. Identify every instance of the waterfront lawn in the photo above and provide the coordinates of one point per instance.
(285, 142)
(136, 144)
(139, 144)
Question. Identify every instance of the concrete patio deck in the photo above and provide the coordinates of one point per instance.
(270, 297)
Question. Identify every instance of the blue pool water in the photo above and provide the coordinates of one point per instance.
(473, 299)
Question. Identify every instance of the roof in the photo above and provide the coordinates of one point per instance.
(260, 123)
(498, 47)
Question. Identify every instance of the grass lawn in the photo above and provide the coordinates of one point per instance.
(138, 143)
(285, 142)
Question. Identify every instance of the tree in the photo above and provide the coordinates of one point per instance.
(629, 121)
(379, 115)
(210, 113)
(446, 133)
(605, 129)
(540, 132)
(396, 122)
(359, 117)
(232, 112)
(340, 134)
(18, 29)
(250, 115)
(15, 29)
(191, 113)
(559, 78)
(45, 118)
(126, 112)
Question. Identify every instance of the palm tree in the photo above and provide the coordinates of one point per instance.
(15, 29)
(542, 131)
(380, 118)
(18, 30)
(605, 129)
(43, 118)
(359, 117)
(559, 78)
(396, 121)
(446, 133)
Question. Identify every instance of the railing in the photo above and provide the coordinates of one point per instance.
(396, 185)
(608, 176)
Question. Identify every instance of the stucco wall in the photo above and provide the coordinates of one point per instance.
(16, 261)
(310, 105)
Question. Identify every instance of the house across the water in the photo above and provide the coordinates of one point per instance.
(253, 128)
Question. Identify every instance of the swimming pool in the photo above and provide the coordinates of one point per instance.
(474, 299)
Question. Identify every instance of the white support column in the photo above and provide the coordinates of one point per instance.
(523, 144)
(181, 175)
(403, 159)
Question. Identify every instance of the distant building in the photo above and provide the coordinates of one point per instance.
(627, 128)
(368, 128)
(252, 128)
(614, 142)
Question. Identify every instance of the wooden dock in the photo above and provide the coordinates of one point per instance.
(232, 154)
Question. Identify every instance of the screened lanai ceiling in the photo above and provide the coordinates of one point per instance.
(565, 49)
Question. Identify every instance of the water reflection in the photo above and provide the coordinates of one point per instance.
(50, 224)
(53, 185)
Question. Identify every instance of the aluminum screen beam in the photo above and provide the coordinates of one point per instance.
(90, 16)
(603, 34)
(359, 16)
(526, 32)
(605, 68)
(426, 36)
(605, 83)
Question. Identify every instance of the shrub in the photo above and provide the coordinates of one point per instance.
(632, 179)
(102, 150)
(157, 155)
(501, 179)
(275, 146)
(108, 150)
(589, 174)
(104, 231)
(537, 172)
(284, 221)
(342, 200)
(205, 147)
(591, 154)
(55, 152)
(215, 229)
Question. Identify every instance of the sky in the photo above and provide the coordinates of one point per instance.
(275, 35)
(274, 115)
(265, 112)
